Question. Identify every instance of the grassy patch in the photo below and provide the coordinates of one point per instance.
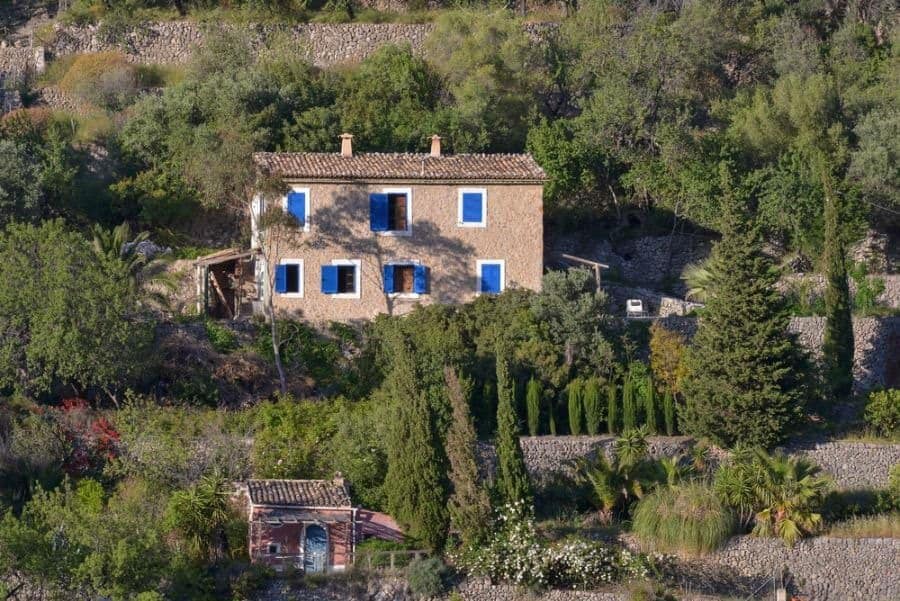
(160, 76)
(886, 525)
(56, 70)
(220, 337)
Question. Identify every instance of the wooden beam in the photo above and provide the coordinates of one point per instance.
(219, 293)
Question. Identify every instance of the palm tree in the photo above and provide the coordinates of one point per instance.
(201, 514)
(120, 249)
(698, 278)
(790, 491)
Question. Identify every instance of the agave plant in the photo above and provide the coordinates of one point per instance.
(790, 492)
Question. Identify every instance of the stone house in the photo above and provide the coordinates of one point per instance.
(381, 232)
(308, 525)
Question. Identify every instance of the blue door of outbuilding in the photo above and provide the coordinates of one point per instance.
(315, 549)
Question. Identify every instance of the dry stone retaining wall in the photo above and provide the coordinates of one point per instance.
(876, 345)
(822, 568)
(851, 464)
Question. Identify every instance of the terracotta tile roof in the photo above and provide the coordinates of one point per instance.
(299, 493)
(377, 166)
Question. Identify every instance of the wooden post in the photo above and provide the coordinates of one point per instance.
(392, 561)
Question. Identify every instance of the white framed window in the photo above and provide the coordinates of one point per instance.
(289, 278)
(342, 278)
(472, 207)
(405, 278)
(296, 202)
(391, 212)
(273, 548)
(490, 276)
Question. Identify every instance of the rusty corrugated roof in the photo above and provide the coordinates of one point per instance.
(299, 493)
(401, 166)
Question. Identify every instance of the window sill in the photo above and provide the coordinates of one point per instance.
(392, 233)
(471, 224)
(290, 294)
(405, 295)
(350, 295)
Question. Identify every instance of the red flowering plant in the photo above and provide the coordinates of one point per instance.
(92, 439)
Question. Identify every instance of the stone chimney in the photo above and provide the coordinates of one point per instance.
(346, 145)
(435, 145)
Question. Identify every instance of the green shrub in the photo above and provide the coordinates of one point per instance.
(105, 79)
(689, 519)
(376, 553)
(629, 411)
(573, 397)
(593, 408)
(427, 577)
(883, 412)
(223, 339)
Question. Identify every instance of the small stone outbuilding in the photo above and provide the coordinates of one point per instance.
(308, 525)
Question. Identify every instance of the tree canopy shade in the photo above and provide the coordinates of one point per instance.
(743, 383)
(67, 315)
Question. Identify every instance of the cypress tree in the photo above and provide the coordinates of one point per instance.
(669, 412)
(512, 478)
(650, 406)
(415, 485)
(551, 416)
(573, 399)
(533, 405)
(837, 349)
(629, 411)
(593, 410)
(743, 384)
(469, 506)
(612, 409)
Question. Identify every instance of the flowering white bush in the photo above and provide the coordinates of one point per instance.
(515, 554)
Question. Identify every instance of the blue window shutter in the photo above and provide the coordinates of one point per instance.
(388, 278)
(329, 279)
(490, 278)
(296, 205)
(281, 279)
(420, 279)
(378, 212)
(473, 207)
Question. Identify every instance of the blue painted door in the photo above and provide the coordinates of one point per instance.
(315, 550)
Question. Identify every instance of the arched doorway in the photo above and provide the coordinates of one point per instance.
(315, 549)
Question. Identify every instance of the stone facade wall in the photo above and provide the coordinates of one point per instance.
(15, 62)
(876, 345)
(822, 568)
(852, 465)
(815, 284)
(340, 230)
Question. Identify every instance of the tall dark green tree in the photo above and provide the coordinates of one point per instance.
(629, 409)
(837, 349)
(416, 489)
(470, 508)
(533, 405)
(593, 410)
(573, 400)
(744, 384)
(512, 478)
(612, 408)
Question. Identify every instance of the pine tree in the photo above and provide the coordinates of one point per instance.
(512, 478)
(416, 488)
(669, 412)
(837, 349)
(650, 407)
(593, 410)
(743, 383)
(629, 411)
(469, 506)
(573, 400)
(533, 405)
(612, 409)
